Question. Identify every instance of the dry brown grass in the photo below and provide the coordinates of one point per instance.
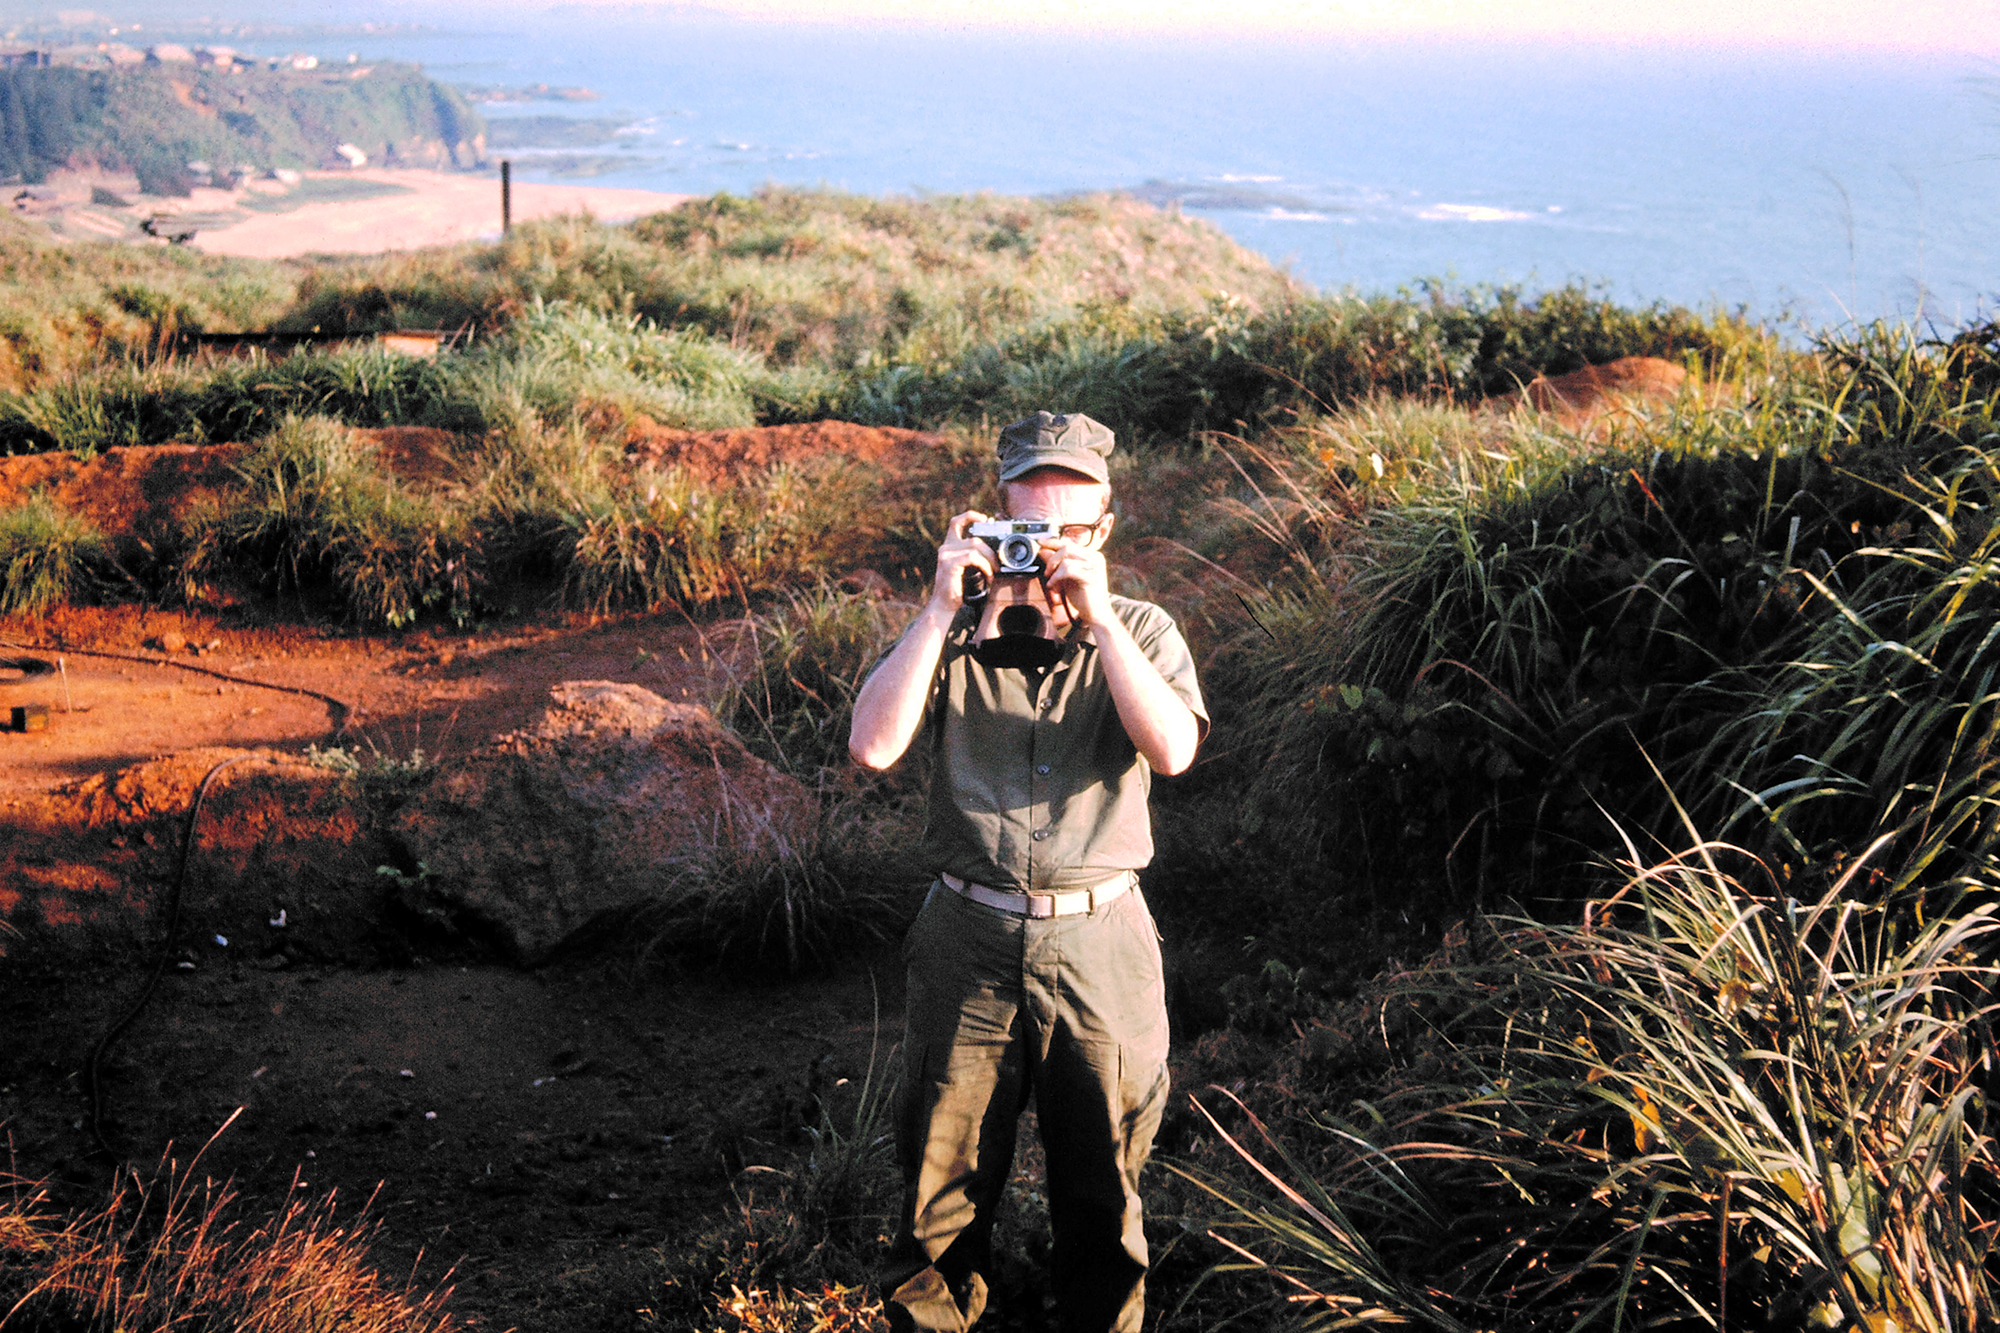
(177, 1252)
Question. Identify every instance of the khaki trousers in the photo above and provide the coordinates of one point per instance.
(1071, 1011)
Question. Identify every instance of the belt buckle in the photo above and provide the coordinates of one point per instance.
(1041, 906)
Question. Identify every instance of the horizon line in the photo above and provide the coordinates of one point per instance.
(1283, 20)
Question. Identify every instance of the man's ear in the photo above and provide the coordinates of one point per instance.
(1110, 522)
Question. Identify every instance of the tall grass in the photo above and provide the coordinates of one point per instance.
(797, 305)
(66, 307)
(556, 361)
(792, 698)
(1502, 632)
(667, 538)
(815, 277)
(1708, 1103)
(48, 556)
(312, 507)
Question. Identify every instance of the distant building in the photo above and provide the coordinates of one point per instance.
(169, 53)
(119, 54)
(303, 62)
(23, 57)
(225, 56)
(355, 157)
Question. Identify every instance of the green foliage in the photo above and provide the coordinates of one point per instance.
(48, 556)
(45, 116)
(387, 779)
(156, 119)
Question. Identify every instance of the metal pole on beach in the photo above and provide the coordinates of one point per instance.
(506, 197)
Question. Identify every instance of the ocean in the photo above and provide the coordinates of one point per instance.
(1809, 189)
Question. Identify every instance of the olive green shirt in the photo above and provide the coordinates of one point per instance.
(1036, 784)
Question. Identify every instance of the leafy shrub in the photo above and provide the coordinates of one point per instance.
(48, 556)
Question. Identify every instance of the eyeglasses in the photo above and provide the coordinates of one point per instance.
(1078, 532)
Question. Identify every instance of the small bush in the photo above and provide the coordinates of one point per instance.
(48, 556)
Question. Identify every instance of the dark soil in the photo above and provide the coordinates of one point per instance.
(533, 1137)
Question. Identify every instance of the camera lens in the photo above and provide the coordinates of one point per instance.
(1017, 552)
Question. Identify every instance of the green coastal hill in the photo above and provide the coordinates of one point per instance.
(157, 118)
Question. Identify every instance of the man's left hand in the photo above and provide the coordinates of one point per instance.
(1077, 571)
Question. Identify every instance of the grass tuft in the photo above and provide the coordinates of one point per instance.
(48, 556)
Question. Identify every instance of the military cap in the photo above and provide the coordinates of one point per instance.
(1047, 439)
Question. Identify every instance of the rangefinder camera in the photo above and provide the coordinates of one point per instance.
(1018, 543)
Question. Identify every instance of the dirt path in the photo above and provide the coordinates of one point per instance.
(442, 693)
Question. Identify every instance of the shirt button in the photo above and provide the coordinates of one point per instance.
(1043, 769)
(1047, 704)
(1041, 833)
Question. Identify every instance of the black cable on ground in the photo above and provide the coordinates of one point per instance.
(343, 711)
(92, 1077)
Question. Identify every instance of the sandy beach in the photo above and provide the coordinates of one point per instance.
(439, 209)
(322, 212)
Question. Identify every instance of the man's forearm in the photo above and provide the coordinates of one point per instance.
(890, 707)
(1161, 725)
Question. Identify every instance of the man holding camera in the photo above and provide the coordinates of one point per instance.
(1034, 968)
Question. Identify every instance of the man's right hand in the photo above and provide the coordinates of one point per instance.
(958, 554)
(890, 707)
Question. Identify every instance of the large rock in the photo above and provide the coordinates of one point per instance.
(602, 806)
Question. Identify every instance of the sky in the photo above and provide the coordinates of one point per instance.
(1922, 25)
